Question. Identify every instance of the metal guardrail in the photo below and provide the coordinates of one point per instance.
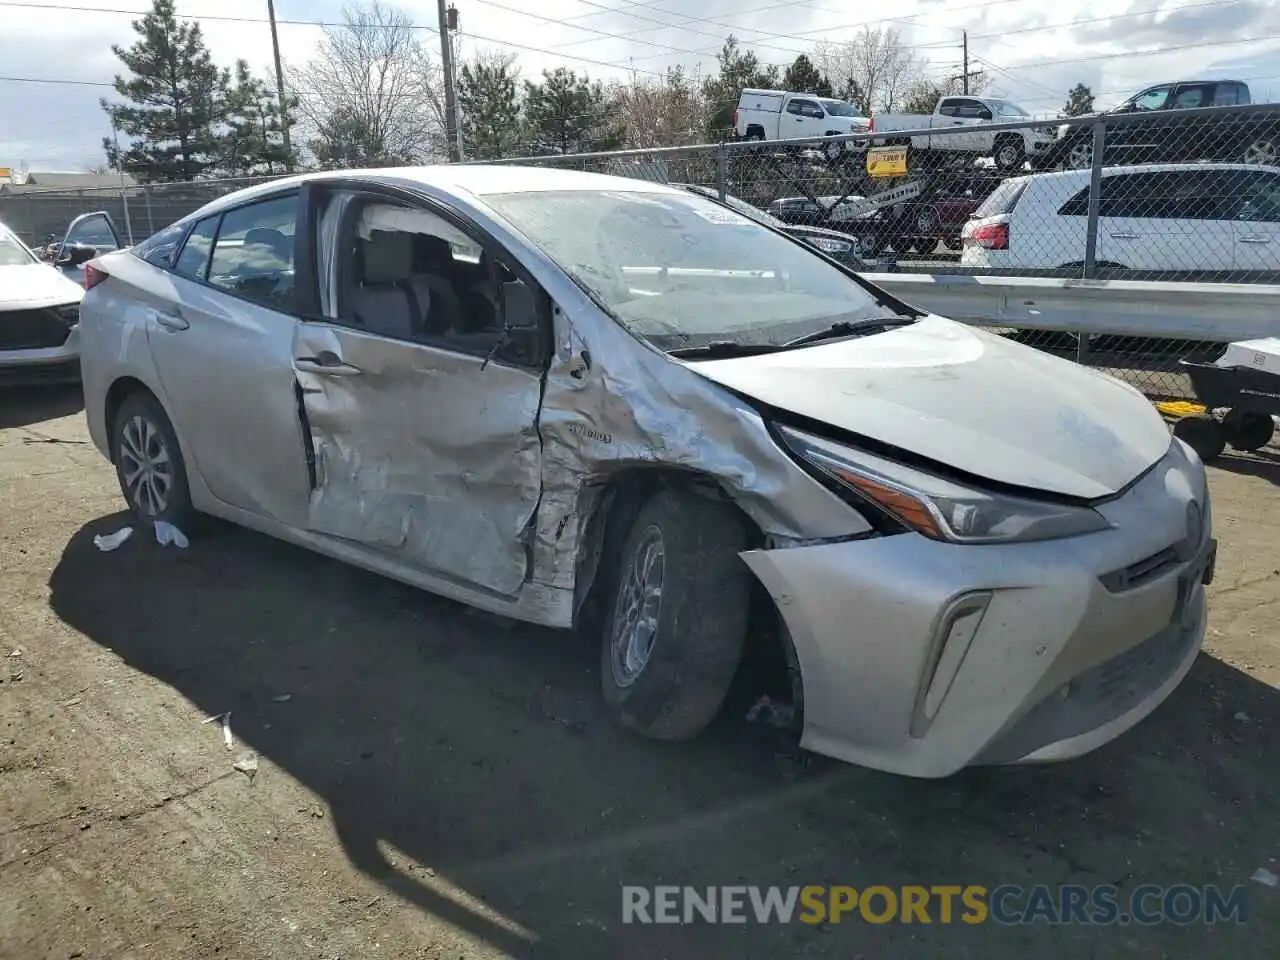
(1137, 308)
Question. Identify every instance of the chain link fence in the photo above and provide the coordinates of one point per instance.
(1182, 183)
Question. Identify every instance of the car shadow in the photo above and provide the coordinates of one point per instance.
(23, 406)
(478, 749)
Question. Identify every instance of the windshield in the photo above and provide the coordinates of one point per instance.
(680, 270)
(744, 208)
(12, 251)
(1006, 109)
(838, 108)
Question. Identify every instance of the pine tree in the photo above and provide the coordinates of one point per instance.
(489, 104)
(1079, 101)
(803, 77)
(566, 113)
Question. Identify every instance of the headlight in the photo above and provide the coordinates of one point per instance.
(938, 508)
(827, 245)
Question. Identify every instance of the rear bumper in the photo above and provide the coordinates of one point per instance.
(1067, 654)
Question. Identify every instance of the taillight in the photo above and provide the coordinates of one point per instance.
(989, 236)
(93, 276)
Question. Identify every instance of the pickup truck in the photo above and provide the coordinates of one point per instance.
(1010, 149)
(1166, 135)
(779, 115)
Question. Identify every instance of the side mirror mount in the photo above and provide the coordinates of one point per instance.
(519, 306)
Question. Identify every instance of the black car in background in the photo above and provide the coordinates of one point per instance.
(1165, 134)
(839, 246)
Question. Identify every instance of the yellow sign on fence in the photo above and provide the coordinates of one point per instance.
(6, 173)
(887, 162)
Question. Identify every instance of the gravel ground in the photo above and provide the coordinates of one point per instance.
(433, 783)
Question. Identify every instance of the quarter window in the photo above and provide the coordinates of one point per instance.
(253, 256)
(193, 262)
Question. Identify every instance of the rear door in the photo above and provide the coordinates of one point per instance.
(422, 414)
(804, 118)
(963, 112)
(1137, 141)
(1256, 221)
(223, 346)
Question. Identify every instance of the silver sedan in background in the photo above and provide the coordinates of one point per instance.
(586, 401)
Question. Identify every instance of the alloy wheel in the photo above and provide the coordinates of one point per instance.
(635, 624)
(145, 466)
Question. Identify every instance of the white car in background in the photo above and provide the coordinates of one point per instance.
(1173, 216)
(39, 317)
(779, 115)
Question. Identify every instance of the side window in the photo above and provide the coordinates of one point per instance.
(93, 231)
(1189, 97)
(796, 107)
(193, 261)
(254, 251)
(805, 108)
(160, 248)
(410, 274)
(1258, 198)
(948, 108)
(1153, 99)
(1078, 205)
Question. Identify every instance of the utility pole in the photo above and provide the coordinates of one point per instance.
(964, 69)
(448, 19)
(284, 113)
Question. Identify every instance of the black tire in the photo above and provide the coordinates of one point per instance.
(130, 435)
(1203, 434)
(1247, 429)
(954, 243)
(1077, 155)
(927, 222)
(1264, 149)
(677, 687)
(1009, 153)
(869, 244)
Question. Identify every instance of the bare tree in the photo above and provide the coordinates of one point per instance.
(872, 71)
(670, 112)
(372, 93)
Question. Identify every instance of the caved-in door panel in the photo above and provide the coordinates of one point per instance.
(420, 453)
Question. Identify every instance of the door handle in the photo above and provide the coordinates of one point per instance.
(326, 362)
(1124, 236)
(170, 320)
(1255, 239)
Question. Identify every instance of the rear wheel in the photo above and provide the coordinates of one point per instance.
(1079, 156)
(149, 465)
(678, 618)
(1203, 434)
(1247, 430)
(1263, 150)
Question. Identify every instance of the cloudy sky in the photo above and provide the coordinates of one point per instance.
(1033, 50)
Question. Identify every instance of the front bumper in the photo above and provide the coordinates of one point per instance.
(1079, 639)
(60, 364)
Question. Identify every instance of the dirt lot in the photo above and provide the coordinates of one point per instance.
(440, 784)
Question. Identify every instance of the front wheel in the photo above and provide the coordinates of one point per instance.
(1203, 434)
(678, 618)
(149, 465)
(1263, 150)
(1010, 153)
(1079, 156)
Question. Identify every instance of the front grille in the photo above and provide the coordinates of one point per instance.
(35, 329)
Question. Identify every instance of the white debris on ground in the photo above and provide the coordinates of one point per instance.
(248, 766)
(108, 542)
(1265, 877)
(167, 533)
(227, 740)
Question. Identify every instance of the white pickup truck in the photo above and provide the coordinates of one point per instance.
(779, 115)
(1008, 148)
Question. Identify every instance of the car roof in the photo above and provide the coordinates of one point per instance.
(1059, 175)
(478, 180)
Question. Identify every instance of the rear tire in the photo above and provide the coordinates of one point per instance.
(149, 464)
(674, 629)
(1010, 154)
(1203, 434)
(1248, 430)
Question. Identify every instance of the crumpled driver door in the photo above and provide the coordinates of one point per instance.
(418, 453)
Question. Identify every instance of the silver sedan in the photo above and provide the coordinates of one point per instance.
(598, 403)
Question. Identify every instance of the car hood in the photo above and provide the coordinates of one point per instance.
(36, 285)
(968, 399)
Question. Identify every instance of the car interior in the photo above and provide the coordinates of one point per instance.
(413, 276)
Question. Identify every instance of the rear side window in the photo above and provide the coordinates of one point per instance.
(160, 248)
(193, 262)
(253, 255)
(1003, 198)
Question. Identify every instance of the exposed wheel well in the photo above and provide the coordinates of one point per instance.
(769, 663)
(120, 391)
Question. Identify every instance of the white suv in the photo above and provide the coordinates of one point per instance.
(1174, 216)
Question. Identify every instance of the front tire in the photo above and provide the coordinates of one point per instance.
(1248, 430)
(1203, 434)
(675, 628)
(1264, 150)
(149, 464)
(1010, 154)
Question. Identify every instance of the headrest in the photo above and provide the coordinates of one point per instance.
(388, 256)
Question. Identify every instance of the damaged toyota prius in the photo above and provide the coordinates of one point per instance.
(598, 403)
